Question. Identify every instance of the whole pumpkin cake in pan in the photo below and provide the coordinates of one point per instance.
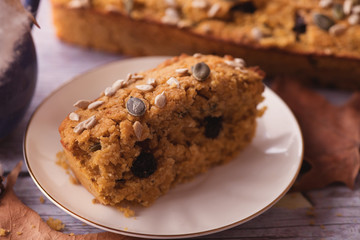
(157, 128)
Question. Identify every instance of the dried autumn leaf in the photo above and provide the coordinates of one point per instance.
(24, 223)
(331, 135)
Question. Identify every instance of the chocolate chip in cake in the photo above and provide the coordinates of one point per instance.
(144, 165)
(323, 21)
(136, 106)
(245, 7)
(300, 25)
(338, 11)
(119, 183)
(120, 180)
(95, 147)
(213, 126)
(201, 71)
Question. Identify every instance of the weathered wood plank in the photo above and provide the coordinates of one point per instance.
(331, 217)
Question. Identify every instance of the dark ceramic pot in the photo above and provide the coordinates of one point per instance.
(18, 82)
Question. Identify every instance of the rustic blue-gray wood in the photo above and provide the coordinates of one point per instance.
(336, 213)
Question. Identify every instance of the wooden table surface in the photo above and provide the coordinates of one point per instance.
(336, 212)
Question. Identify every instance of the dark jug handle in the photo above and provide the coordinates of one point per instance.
(32, 6)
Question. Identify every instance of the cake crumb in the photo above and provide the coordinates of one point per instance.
(338, 215)
(310, 213)
(71, 234)
(19, 233)
(55, 224)
(61, 160)
(4, 232)
(127, 211)
(73, 179)
(95, 201)
(41, 199)
(322, 226)
(126, 228)
(33, 226)
(312, 222)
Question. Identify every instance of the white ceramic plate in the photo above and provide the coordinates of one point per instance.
(224, 197)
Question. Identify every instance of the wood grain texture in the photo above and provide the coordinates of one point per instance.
(336, 213)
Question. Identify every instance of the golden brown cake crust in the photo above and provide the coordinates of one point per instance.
(188, 126)
(265, 37)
